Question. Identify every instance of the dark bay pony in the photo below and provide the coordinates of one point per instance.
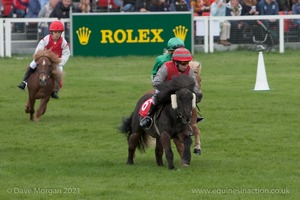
(171, 121)
(41, 83)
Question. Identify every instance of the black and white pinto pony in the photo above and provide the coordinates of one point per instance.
(171, 121)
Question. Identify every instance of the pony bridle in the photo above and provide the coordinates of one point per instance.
(43, 72)
(175, 106)
(43, 75)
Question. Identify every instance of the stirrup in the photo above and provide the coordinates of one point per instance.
(143, 122)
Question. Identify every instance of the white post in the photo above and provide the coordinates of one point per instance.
(8, 38)
(1, 36)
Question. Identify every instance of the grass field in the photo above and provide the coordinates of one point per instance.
(250, 139)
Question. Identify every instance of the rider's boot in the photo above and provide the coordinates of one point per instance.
(57, 86)
(54, 94)
(28, 73)
(146, 121)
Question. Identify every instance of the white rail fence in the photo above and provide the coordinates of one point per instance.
(206, 33)
(210, 29)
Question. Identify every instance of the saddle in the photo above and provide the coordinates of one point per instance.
(144, 109)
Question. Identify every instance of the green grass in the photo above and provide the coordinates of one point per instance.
(250, 139)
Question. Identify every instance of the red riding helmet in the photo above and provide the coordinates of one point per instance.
(56, 26)
(182, 54)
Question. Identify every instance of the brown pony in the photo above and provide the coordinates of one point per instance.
(41, 83)
(196, 67)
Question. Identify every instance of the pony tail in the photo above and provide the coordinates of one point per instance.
(143, 142)
(126, 125)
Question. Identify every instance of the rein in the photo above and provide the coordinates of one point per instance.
(47, 74)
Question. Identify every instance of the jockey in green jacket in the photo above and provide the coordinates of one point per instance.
(173, 44)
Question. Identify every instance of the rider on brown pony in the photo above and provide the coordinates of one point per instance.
(58, 45)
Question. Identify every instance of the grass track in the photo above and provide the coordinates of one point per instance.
(250, 139)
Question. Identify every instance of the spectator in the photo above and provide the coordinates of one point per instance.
(179, 5)
(143, 5)
(157, 6)
(83, 7)
(285, 5)
(20, 8)
(233, 8)
(129, 5)
(33, 9)
(296, 11)
(249, 7)
(45, 13)
(270, 7)
(200, 6)
(109, 5)
(62, 9)
(19, 11)
(218, 8)
(43, 2)
(6, 7)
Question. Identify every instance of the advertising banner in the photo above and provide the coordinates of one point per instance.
(119, 34)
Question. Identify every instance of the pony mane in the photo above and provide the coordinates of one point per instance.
(170, 87)
(54, 59)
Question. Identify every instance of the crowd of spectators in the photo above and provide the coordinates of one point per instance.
(31, 8)
(61, 9)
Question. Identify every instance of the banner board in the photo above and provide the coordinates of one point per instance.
(120, 34)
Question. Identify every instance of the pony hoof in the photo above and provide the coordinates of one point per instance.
(185, 163)
(197, 151)
(129, 163)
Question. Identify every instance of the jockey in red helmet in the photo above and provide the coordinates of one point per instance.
(178, 65)
(58, 45)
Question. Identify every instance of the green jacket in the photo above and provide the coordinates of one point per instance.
(159, 61)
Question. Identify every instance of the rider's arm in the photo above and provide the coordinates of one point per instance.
(65, 53)
(42, 44)
(160, 76)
